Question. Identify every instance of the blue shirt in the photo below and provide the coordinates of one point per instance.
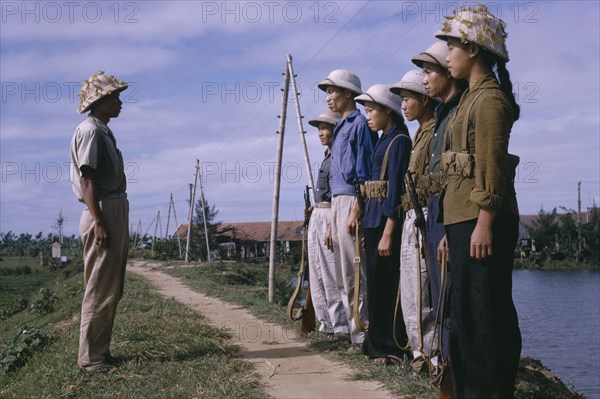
(378, 210)
(351, 153)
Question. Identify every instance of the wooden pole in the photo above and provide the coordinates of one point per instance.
(204, 217)
(177, 230)
(300, 127)
(192, 199)
(276, 189)
(169, 216)
(578, 222)
(155, 228)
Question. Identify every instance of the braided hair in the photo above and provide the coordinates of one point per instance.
(503, 78)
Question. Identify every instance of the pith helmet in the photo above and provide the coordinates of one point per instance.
(342, 78)
(435, 54)
(97, 86)
(413, 81)
(477, 25)
(326, 116)
(381, 94)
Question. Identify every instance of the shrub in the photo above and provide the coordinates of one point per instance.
(44, 301)
(18, 352)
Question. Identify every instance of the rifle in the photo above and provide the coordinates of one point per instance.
(306, 313)
(357, 272)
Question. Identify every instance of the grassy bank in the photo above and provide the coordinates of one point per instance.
(246, 285)
(165, 350)
(162, 350)
(551, 264)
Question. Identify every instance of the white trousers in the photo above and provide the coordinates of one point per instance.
(414, 288)
(322, 264)
(344, 245)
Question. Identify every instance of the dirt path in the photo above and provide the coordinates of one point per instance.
(284, 364)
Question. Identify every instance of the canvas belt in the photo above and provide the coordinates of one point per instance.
(113, 196)
(323, 205)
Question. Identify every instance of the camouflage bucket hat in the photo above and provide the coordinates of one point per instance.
(97, 86)
(477, 25)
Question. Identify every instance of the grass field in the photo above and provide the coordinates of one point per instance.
(165, 350)
(19, 279)
(162, 349)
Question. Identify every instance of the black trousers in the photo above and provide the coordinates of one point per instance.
(434, 232)
(485, 340)
(383, 278)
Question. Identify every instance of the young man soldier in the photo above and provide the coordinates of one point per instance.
(351, 151)
(322, 262)
(98, 179)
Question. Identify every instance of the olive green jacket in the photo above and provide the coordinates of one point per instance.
(490, 181)
(419, 161)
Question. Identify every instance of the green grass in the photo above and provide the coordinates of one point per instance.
(162, 350)
(246, 285)
(19, 279)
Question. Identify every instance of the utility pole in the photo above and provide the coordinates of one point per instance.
(60, 227)
(138, 234)
(578, 222)
(300, 127)
(155, 228)
(276, 190)
(169, 216)
(204, 219)
(192, 199)
(172, 206)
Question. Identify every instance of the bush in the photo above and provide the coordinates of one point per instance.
(15, 271)
(44, 301)
(18, 352)
(18, 306)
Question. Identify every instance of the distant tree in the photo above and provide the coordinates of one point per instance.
(567, 233)
(544, 230)
(590, 232)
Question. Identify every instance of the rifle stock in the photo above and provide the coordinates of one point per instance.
(307, 313)
(357, 263)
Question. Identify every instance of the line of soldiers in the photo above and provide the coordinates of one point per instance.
(428, 274)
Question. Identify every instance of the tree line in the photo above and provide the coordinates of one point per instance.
(554, 236)
(558, 236)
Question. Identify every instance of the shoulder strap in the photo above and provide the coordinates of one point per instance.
(465, 129)
(385, 158)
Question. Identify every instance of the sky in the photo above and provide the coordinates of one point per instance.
(205, 83)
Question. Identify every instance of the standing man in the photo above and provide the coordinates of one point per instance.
(323, 262)
(439, 84)
(98, 179)
(351, 151)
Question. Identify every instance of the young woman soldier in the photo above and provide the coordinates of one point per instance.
(382, 223)
(414, 280)
(480, 209)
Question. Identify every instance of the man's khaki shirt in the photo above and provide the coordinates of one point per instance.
(490, 185)
(419, 161)
(94, 145)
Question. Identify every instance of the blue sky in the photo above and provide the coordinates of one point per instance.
(205, 84)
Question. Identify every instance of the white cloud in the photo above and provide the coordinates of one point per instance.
(206, 89)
